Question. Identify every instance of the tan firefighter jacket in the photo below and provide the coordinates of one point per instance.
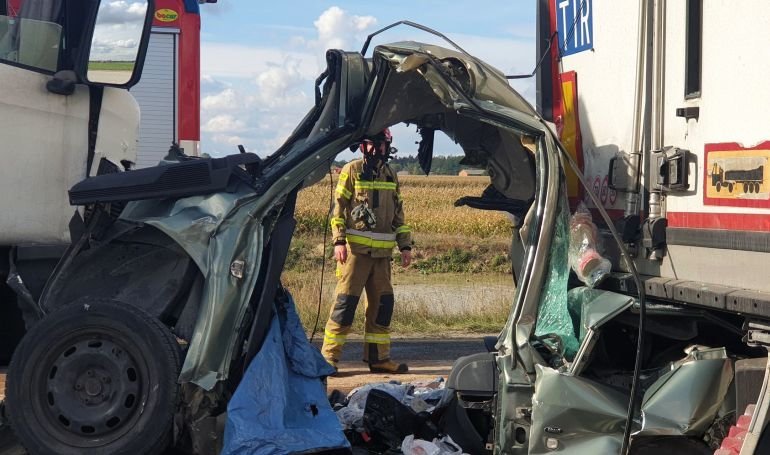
(357, 199)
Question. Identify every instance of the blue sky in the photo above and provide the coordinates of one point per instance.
(259, 59)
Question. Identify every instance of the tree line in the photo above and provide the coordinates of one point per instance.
(441, 165)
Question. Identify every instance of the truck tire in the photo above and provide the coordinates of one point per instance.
(748, 187)
(719, 186)
(94, 377)
(730, 187)
(756, 187)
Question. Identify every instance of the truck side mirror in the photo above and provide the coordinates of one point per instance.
(121, 31)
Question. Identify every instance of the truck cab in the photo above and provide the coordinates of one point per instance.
(66, 66)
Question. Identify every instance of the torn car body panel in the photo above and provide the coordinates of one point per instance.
(587, 417)
(215, 230)
(583, 416)
(685, 400)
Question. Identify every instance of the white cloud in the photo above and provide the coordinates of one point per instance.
(225, 100)
(223, 60)
(336, 27)
(282, 86)
(210, 84)
(262, 92)
(120, 11)
(107, 44)
(226, 139)
(256, 95)
(223, 123)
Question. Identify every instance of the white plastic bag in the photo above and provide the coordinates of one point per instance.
(443, 446)
(412, 446)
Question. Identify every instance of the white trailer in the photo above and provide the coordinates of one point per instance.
(662, 104)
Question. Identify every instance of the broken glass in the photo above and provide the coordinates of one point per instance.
(555, 325)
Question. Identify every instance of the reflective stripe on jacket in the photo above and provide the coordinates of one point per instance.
(382, 195)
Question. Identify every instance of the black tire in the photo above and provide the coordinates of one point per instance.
(756, 187)
(11, 325)
(730, 187)
(748, 187)
(719, 186)
(94, 377)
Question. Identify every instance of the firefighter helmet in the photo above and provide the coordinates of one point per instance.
(383, 138)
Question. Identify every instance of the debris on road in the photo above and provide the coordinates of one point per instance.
(443, 446)
(388, 416)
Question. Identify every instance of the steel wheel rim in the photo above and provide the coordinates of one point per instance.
(91, 387)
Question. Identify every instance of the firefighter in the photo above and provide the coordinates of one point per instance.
(367, 222)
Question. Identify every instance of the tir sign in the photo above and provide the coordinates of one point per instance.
(574, 19)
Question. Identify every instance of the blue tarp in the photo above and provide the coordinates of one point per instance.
(281, 405)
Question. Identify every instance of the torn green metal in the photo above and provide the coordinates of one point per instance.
(591, 308)
(684, 401)
(584, 416)
(214, 230)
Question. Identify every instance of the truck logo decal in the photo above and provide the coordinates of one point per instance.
(166, 15)
(737, 176)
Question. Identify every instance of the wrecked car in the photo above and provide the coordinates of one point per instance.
(166, 322)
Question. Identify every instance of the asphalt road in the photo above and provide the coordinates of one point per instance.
(416, 350)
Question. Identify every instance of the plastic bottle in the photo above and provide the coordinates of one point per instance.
(589, 266)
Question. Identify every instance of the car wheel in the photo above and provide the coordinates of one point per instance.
(96, 377)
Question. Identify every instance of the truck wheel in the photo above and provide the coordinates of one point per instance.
(730, 187)
(96, 377)
(719, 186)
(756, 187)
(747, 187)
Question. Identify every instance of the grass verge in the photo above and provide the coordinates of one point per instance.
(451, 287)
(460, 278)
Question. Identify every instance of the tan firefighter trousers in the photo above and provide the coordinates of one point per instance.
(360, 272)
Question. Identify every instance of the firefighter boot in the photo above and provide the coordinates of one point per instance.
(388, 366)
(333, 363)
